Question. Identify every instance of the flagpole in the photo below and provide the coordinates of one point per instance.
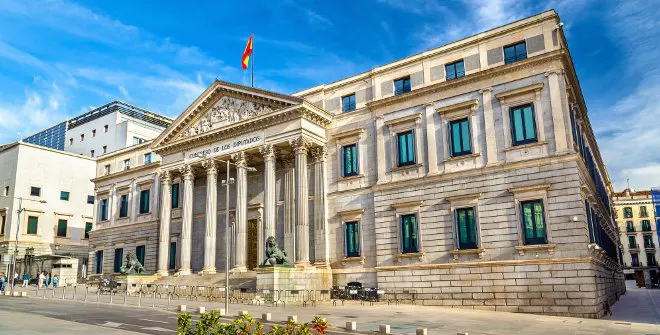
(252, 65)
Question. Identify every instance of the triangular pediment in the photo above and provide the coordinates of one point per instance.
(220, 106)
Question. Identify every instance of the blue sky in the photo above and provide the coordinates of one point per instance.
(61, 58)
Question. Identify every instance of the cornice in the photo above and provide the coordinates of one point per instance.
(470, 104)
(122, 173)
(534, 88)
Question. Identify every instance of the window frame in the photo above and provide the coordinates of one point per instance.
(627, 210)
(403, 81)
(176, 198)
(118, 261)
(356, 161)
(518, 97)
(98, 261)
(86, 232)
(171, 253)
(357, 240)
(532, 193)
(633, 239)
(35, 189)
(145, 206)
(63, 197)
(524, 141)
(103, 209)
(92, 198)
(345, 108)
(148, 157)
(456, 73)
(463, 152)
(414, 237)
(536, 240)
(410, 134)
(58, 228)
(475, 229)
(648, 223)
(515, 48)
(144, 253)
(28, 225)
(123, 206)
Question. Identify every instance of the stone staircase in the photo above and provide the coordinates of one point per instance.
(246, 280)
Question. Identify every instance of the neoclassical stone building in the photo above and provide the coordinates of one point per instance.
(469, 172)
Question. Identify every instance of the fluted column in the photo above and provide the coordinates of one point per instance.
(268, 151)
(289, 208)
(164, 231)
(300, 147)
(321, 239)
(211, 215)
(240, 251)
(186, 219)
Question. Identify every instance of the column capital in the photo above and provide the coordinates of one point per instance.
(268, 151)
(320, 153)
(165, 176)
(485, 89)
(239, 159)
(187, 171)
(300, 145)
(556, 72)
(287, 160)
(210, 165)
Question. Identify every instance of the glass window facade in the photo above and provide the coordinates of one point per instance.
(349, 162)
(352, 238)
(348, 103)
(52, 137)
(409, 234)
(523, 125)
(144, 201)
(402, 86)
(466, 228)
(533, 222)
(61, 228)
(406, 148)
(515, 52)
(455, 70)
(459, 137)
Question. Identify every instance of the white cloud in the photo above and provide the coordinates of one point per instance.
(318, 19)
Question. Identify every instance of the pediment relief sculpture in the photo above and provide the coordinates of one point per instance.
(226, 111)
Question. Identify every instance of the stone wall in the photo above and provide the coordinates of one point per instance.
(127, 237)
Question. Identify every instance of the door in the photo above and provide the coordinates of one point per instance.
(639, 278)
(252, 244)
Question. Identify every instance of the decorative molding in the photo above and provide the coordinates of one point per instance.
(320, 153)
(412, 255)
(457, 252)
(471, 196)
(503, 96)
(268, 151)
(210, 165)
(408, 204)
(359, 259)
(532, 188)
(417, 118)
(522, 249)
(187, 171)
(351, 212)
(354, 132)
(300, 145)
(525, 146)
(240, 159)
(472, 105)
(165, 176)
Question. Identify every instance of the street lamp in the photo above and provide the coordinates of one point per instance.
(18, 228)
(225, 183)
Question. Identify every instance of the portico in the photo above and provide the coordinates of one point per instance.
(253, 130)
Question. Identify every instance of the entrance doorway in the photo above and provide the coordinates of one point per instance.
(639, 278)
(252, 244)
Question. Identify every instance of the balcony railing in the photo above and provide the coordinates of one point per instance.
(649, 245)
(653, 263)
(630, 229)
(646, 228)
(636, 264)
(632, 246)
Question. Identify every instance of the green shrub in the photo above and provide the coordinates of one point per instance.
(210, 324)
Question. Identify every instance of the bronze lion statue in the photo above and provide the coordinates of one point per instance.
(274, 255)
(132, 265)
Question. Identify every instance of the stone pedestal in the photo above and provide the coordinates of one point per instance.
(293, 278)
(133, 282)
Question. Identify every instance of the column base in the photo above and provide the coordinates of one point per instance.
(322, 265)
(302, 264)
(208, 271)
(162, 273)
(184, 272)
(241, 268)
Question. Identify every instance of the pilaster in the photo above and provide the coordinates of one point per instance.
(489, 126)
(321, 239)
(431, 151)
(557, 110)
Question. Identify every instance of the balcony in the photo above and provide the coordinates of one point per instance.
(649, 245)
(630, 229)
(646, 228)
(636, 264)
(632, 246)
(653, 263)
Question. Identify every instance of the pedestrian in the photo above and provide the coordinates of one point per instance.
(42, 279)
(47, 279)
(26, 280)
(13, 282)
(56, 279)
(2, 282)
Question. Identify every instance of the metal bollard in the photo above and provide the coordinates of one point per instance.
(75, 288)
(421, 331)
(266, 316)
(153, 300)
(37, 290)
(384, 329)
(53, 293)
(86, 292)
(140, 298)
(63, 292)
(111, 294)
(351, 325)
(98, 295)
(169, 300)
(125, 295)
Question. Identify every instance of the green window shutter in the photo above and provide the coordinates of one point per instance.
(61, 228)
(88, 228)
(533, 221)
(352, 239)
(172, 255)
(406, 148)
(144, 202)
(350, 160)
(123, 206)
(409, 241)
(523, 125)
(466, 228)
(119, 254)
(175, 195)
(460, 137)
(33, 225)
(139, 253)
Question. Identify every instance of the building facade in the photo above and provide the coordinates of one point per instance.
(635, 214)
(469, 173)
(48, 199)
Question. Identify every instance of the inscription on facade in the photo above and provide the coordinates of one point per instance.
(226, 147)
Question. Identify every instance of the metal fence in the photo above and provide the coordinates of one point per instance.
(109, 291)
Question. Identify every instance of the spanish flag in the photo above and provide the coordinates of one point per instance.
(245, 60)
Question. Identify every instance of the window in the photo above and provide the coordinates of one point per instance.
(515, 52)
(352, 238)
(91, 153)
(466, 228)
(105, 149)
(82, 137)
(349, 159)
(147, 158)
(71, 141)
(635, 259)
(409, 232)
(459, 138)
(105, 128)
(406, 148)
(650, 259)
(175, 195)
(103, 210)
(648, 241)
(533, 222)
(90, 199)
(64, 195)
(144, 201)
(61, 228)
(33, 225)
(6, 191)
(35, 191)
(123, 206)
(88, 228)
(630, 227)
(627, 212)
(98, 258)
(139, 253)
(137, 140)
(523, 125)
(632, 244)
(646, 225)
(402, 85)
(119, 254)
(106, 170)
(172, 255)
(348, 103)
(642, 212)
(127, 164)
(3, 221)
(93, 132)
(455, 70)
